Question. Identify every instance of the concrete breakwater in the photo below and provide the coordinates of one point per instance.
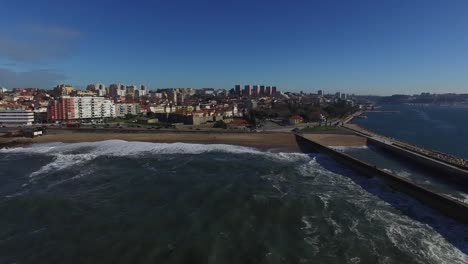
(442, 203)
(446, 170)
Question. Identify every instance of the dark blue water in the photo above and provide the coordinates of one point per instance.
(442, 128)
(122, 202)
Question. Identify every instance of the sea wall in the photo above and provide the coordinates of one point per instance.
(444, 204)
(446, 172)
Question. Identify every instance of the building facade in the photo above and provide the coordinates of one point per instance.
(122, 109)
(117, 90)
(80, 108)
(63, 90)
(15, 115)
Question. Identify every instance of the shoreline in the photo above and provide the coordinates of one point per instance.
(265, 141)
(277, 142)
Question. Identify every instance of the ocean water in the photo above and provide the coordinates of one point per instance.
(122, 202)
(442, 128)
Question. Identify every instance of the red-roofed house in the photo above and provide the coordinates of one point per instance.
(296, 119)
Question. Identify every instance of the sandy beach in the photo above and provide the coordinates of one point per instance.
(265, 141)
(278, 141)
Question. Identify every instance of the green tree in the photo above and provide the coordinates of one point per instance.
(220, 124)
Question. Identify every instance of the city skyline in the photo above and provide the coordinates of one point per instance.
(362, 47)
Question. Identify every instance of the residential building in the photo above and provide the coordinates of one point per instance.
(262, 90)
(296, 119)
(156, 95)
(117, 90)
(273, 91)
(63, 90)
(238, 89)
(62, 109)
(208, 91)
(131, 90)
(255, 91)
(122, 109)
(142, 91)
(247, 90)
(80, 108)
(100, 89)
(91, 87)
(15, 115)
(86, 93)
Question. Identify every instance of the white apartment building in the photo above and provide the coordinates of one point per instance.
(101, 90)
(93, 108)
(142, 91)
(116, 89)
(16, 117)
(122, 109)
(156, 95)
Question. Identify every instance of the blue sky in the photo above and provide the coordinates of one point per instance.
(365, 47)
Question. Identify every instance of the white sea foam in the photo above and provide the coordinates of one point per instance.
(411, 236)
(311, 238)
(69, 155)
(425, 243)
(403, 173)
(346, 148)
(465, 198)
(125, 148)
(416, 238)
(61, 162)
(325, 198)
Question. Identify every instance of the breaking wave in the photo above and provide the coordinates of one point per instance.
(347, 148)
(125, 148)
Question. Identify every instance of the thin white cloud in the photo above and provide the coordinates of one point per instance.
(43, 78)
(36, 43)
(53, 31)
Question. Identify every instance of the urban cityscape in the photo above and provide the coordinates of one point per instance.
(241, 106)
(221, 132)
